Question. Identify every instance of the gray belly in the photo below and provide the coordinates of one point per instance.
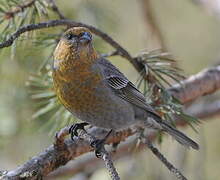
(114, 113)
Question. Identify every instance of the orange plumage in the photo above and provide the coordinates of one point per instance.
(72, 69)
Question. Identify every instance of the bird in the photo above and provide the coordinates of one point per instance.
(96, 92)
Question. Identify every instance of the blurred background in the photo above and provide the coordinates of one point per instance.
(188, 29)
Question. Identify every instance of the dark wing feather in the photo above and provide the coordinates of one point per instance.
(122, 86)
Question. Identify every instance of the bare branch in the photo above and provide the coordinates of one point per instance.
(54, 156)
(10, 14)
(204, 110)
(55, 8)
(151, 22)
(89, 164)
(201, 84)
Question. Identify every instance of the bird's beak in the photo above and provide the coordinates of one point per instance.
(86, 38)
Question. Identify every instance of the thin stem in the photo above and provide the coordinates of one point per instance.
(103, 154)
(55, 8)
(163, 159)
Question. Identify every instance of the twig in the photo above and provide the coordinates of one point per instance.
(55, 8)
(109, 165)
(103, 154)
(151, 21)
(10, 14)
(163, 159)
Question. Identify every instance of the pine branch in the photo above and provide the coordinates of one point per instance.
(163, 159)
(55, 8)
(65, 22)
(10, 14)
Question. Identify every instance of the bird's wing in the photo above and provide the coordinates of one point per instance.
(122, 86)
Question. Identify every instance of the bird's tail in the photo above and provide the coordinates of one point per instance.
(179, 136)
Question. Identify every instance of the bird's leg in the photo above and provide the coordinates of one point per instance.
(99, 144)
(115, 146)
(73, 129)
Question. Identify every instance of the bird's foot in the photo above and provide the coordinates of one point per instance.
(99, 144)
(73, 129)
(115, 146)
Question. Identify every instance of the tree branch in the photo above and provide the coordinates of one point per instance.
(201, 84)
(56, 156)
(161, 157)
(204, 110)
(10, 14)
(151, 22)
(55, 8)
(65, 22)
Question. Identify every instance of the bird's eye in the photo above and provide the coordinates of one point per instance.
(69, 36)
(81, 34)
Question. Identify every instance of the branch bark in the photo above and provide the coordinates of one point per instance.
(58, 155)
(103, 153)
(201, 84)
(204, 110)
(161, 157)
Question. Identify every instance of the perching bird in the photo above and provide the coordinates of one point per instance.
(95, 91)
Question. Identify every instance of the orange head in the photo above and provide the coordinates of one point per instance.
(77, 37)
(75, 45)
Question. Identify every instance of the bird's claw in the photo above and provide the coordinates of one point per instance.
(73, 129)
(99, 144)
